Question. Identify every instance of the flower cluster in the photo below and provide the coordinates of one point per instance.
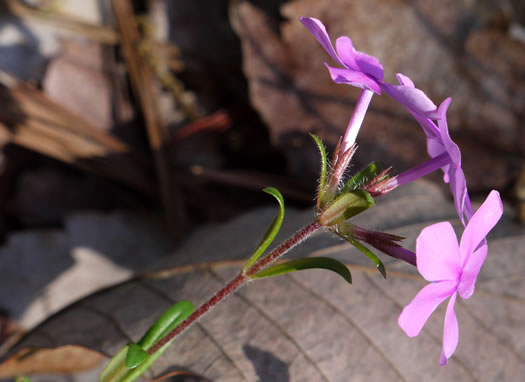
(451, 268)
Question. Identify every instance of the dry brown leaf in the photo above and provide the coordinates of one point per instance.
(451, 50)
(32, 120)
(63, 360)
(83, 79)
(64, 23)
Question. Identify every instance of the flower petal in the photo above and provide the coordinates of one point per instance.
(437, 253)
(448, 143)
(412, 98)
(370, 65)
(443, 361)
(345, 50)
(469, 212)
(353, 78)
(357, 60)
(416, 313)
(450, 332)
(317, 28)
(471, 271)
(480, 225)
(405, 80)
(435, 147)
(458, 187)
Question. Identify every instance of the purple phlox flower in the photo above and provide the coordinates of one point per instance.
(451, 269)
(445, 154)
(415, 100)
(364, 71)
(359, 69)
(453, 173)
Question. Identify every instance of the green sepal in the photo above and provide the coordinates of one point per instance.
(345, 206)
(307, 263)
(362, 177)
(324, 162)
(373, 257)
(135, 356)
(272, 231)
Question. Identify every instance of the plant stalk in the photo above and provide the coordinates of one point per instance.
(237, 282)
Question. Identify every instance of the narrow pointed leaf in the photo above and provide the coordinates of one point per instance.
(362, 177)
(135, 356)
(373, 257)
(324, 162)
(307, 263)
(116, 367)
(346, 206)
(132, 361)
(272, 230)
(168, 321)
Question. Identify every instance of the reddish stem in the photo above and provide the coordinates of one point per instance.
(237, 282)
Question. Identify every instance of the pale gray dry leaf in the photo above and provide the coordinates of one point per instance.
(45, 270)
(454, 49)
(83, 79)
(311, 326)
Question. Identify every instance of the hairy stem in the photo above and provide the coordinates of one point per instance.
(237, 282)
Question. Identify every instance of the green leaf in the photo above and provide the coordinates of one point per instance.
(376, 260)
(135, 356)
(117, 369)
(272, 230)
(346, 206)
(168, 321)
(324, 162)
(22, 379)
(362, 177)
(307, 263)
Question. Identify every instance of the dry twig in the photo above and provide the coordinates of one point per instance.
(142, 82)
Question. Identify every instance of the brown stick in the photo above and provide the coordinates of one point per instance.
(60, 21)
(30, 119)
(142, 81)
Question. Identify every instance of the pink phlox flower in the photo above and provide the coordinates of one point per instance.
(364, 71)
(453, 173)
(359, 69)
(451, 269)
(439, 142)
(415, 100)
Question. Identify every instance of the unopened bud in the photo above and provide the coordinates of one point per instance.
(345, 206)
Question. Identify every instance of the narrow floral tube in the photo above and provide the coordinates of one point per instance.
(385, 242)
(421, 170)
(354, 125)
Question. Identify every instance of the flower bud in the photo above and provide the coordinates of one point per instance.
(345, 206)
